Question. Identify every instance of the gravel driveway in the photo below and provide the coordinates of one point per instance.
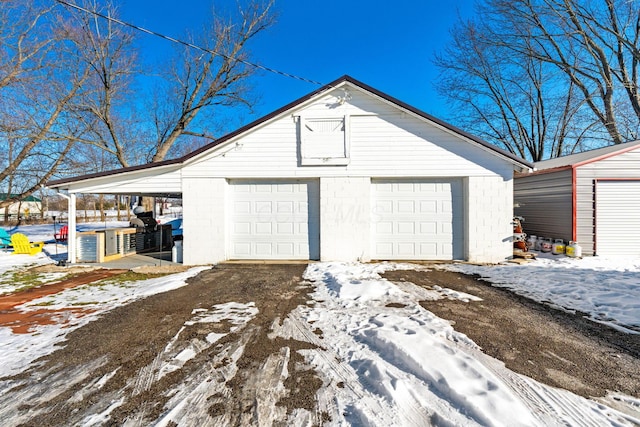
(111, 366)
(555, 347)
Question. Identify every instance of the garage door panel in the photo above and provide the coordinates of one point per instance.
(405, 187)
(242, 207)
(406, 228)
(284, 188)
(428, 247)
(286, 228)
(242, 248)
(260, 189)
(263, 228)
(286, 249)
(406, 206)
(285, 207)
(406, 249)
(263, 207)
(446, 207)
(383, 247)
(417, 219)
(384, 227)
(428, 206)
(242, 228)
(302, 208)
(263, 249)
(428, 228)
(274, 219)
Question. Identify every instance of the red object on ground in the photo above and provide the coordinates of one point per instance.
(22, 321)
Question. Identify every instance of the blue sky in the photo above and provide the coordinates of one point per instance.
(387, 45)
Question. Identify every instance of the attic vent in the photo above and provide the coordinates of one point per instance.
(323, 141)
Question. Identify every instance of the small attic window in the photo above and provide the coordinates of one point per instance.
(324, 141)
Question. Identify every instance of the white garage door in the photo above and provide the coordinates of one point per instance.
(274, 219)
(618, 218)
(417, 219)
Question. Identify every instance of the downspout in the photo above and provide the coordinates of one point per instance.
(71, 238)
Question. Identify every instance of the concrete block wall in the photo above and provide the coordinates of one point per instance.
(345, 216)
(489, 213)
(204, 228)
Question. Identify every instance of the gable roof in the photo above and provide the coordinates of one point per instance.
(330, 86)
(586, 157)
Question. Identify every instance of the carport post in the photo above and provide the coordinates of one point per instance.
(71, 241)
(71, 236)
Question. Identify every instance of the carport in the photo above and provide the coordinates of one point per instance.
(149, 180)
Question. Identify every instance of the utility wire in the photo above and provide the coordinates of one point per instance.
(191, 45)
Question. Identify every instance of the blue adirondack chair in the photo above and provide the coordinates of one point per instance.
(5, 239)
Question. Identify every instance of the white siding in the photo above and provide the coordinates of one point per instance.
(383, 142)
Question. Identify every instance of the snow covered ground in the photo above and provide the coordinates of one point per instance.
(383, 358)
(605, 289)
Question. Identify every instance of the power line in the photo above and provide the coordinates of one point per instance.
(191, 45)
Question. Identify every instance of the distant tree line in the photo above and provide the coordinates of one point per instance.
(545, 78)
(72, 98)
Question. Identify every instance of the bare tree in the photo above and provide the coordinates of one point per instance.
(38, 84)
(594, 44)
(65, 82)
(107, 49)
(515, 101)
(210, 72)
(570, 68)
(202, 80)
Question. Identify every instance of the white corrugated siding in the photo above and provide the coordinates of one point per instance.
(625, 166)
(618, 218)
(274, 219)
(417, 219)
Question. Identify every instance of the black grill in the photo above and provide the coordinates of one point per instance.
(149, 235)
(144, 222)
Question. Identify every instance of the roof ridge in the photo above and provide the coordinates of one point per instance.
(332, 85)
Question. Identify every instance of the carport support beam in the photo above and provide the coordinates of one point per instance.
(71, 242)
(71, 237)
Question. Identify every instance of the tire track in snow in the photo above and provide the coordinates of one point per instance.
(37, 390)
(348, 382)
(189, 402)
(339, 379)
(554, 406)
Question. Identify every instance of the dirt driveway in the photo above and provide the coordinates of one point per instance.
(110, 371)
(557, 348)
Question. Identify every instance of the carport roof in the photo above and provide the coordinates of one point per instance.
(517, 161)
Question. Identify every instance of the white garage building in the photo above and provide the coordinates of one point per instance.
(344, 173)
